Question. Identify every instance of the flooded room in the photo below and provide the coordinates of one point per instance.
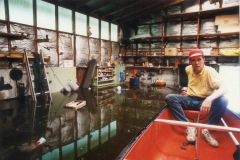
(119, 80)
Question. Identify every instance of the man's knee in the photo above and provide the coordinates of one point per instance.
(221, 102)
(170, 98)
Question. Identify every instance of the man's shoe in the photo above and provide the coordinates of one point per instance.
(209, 138)
(191, 134)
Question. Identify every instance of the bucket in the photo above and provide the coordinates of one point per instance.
(73, 85)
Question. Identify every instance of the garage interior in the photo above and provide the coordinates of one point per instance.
(118, 58)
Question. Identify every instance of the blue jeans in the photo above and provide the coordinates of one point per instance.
(177, 103)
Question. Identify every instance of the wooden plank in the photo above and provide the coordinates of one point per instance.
(76, 104)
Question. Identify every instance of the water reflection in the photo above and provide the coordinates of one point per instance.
(100, 130)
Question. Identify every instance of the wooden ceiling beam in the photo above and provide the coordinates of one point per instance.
(138, 10)
(172, 3)
(81, 3)
(120, 9)
(165, 5)
(101, 6)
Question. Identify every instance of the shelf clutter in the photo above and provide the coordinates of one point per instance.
(171, 47)
(10, 55)
(105, 76)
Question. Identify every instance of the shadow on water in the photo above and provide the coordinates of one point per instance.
(97, 131)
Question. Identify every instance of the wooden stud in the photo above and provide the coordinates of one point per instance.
(110, 44)
(35, 24)
(221, 2)
(74, 39)
(100, 35)
(57, 31)
(181, 30)
(8, 23)
(88, 38)
(199, 25)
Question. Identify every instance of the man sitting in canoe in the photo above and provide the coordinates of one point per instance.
(205, 93)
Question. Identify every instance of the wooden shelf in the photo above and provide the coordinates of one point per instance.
(105, 85)
(106, 80)
(13, 36)
(206, 13)
(202, 14)
(19, 56)
(106, 76)
(104, 67)
(161, 67)
(152, 37)
(43, 40)
(180, 15)
(142, 56)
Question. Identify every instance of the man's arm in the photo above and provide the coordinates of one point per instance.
(206, 105)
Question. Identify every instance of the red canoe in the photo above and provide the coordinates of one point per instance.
(163, 137)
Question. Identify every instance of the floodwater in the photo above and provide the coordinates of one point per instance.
(98, 131)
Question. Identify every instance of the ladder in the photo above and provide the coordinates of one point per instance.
(31, 80)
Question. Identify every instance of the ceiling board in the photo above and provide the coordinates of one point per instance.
(121, 11)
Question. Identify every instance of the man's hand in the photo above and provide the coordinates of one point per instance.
(206, 106)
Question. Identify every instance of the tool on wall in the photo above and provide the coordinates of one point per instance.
(16, 74)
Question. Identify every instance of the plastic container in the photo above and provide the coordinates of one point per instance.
(73, 85)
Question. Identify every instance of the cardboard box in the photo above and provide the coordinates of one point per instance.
(215, 52)
(170, 51)
(225, 28)
(227, 19)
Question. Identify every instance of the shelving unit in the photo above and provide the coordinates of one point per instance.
(13, 55)
(135, 51)
(105, 76)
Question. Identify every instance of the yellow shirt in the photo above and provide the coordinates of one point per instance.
(203, 84)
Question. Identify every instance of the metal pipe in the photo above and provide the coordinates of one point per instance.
(199, 125)
(197, 145)
(230, 133)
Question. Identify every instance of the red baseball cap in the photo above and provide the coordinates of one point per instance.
(196, 52)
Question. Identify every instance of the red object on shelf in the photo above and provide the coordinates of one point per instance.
(134, 73)
(176, 64)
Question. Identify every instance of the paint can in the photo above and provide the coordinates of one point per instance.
(73, 85)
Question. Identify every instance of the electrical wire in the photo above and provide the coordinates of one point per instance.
(56, 77)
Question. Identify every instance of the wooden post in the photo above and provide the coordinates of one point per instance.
(8, 23)
(199, 25)
(88, 31)
(181, 30)
(35, 24)
(100, 35)
(74, 40)
(57, 29)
